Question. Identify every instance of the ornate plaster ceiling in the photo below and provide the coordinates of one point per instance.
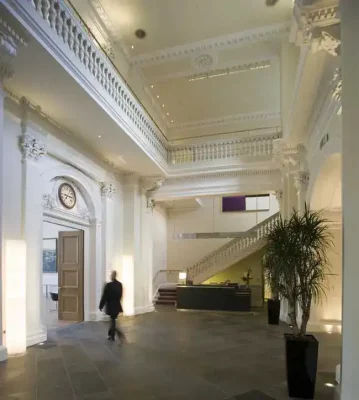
(205, 67)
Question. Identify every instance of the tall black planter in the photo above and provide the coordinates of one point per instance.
(273, 311)
(302, 360)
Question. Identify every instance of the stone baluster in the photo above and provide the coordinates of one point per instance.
(70, 36)
(58, 20)
(65, 27)
(52, 14)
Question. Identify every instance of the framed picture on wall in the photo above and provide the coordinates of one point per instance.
(49, 255)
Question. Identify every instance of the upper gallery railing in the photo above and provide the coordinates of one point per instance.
(256, 146)
(231, 252)
(72, 31)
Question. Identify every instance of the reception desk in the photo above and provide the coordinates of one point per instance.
(207, 297)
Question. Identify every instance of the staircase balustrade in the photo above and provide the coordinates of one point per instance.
(231, 252)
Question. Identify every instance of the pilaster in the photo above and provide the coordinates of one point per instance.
(33, 150)
(301, 183)
(108, 192)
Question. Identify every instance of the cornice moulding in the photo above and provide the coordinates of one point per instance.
(234, 40)
(257, 115)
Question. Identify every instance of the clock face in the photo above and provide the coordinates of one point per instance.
(67, 196)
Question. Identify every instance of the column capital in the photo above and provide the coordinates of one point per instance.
(32, 148)
(301, 180)
(107, 190)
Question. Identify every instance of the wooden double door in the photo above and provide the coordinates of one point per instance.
(70, 264)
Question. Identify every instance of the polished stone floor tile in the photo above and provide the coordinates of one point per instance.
(169, 355)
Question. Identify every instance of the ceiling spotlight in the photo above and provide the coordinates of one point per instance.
(99, 136)
(168, 113)
(132, 47)
(172, 121)
(158, 96)
(329, 384)
(152, 86)
(163, 105)
(140, 34)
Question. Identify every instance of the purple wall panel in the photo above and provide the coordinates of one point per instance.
(234, 203)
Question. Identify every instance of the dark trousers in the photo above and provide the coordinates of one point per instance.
(114, 329)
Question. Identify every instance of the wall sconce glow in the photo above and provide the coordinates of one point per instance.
(15, 291)
(182, 276)
(128, 278)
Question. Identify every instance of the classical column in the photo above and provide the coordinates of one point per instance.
(107, 193)
(301, 183)
(350, 191)
(33, 150)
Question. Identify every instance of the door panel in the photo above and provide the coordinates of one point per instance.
(71, 275)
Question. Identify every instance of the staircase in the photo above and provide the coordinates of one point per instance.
(166, 296)
(232, 252)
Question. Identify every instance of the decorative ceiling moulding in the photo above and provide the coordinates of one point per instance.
(239, 39)
(257, 115)
(105, 26)
(214, 73)
(236, 67)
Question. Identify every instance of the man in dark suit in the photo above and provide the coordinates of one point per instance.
(111, 299)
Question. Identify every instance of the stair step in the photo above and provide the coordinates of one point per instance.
(167, 290)
(167, 302)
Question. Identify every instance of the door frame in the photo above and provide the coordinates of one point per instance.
(86, 229)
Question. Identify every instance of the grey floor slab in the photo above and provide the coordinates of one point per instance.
(169, 355)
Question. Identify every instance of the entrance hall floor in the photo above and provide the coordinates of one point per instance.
(169, 355)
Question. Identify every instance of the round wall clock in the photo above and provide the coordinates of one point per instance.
(67, 195)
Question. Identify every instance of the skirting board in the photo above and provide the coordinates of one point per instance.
(37, 337)
(3, 353)
(144, 310)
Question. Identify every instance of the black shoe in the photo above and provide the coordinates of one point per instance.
(111, 338)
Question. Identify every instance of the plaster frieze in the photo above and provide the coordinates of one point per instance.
(254, 116)
(32, 148)
(107, 190)
(328, 40)
(239, 39)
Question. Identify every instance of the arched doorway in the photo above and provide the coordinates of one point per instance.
(82, 222)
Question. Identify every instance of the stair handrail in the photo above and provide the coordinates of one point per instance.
(253, 236)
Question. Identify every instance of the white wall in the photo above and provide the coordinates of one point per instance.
(184, 253)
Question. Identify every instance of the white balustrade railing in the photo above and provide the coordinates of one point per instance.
(74, 33)
(232, 251)
(249, 147)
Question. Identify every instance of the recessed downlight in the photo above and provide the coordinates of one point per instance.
(140, 34)
(158, 96)
(99, 136)
(163, 105)
(168, 113)
(152, 86)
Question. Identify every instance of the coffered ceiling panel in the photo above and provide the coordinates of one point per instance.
(205, 67)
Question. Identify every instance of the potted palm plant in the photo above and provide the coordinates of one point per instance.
(296, 254)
